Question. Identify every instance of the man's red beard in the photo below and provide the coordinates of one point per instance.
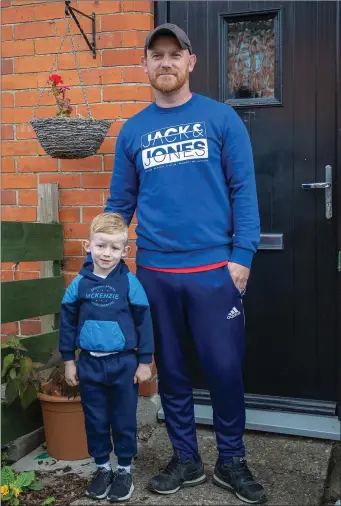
(174, 83)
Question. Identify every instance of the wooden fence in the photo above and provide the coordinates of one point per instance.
(22, 299)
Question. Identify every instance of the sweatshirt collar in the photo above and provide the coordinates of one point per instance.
(88, 268)
(178, 108)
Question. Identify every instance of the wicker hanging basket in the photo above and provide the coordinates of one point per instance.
(70, 137)
(63, 137)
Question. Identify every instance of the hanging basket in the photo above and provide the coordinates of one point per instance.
(70, 137)
(65, 137)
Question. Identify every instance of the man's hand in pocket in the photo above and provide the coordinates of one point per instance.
(239, 275)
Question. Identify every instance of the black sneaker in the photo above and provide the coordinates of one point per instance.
(100, 485)
(122, 486)
(237, 478)
(178, 474)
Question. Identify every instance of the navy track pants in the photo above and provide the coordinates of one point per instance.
(109, 400)
(199, 314)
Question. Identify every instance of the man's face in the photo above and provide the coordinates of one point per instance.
(167, 65)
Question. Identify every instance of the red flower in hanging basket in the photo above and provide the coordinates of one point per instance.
(56, 79)
(63, 103)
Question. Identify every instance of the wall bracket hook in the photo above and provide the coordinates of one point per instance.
(71, 11)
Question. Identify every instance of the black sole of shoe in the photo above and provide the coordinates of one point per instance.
(98, 498)
(122, 499)
(186, 484)
(217, 481)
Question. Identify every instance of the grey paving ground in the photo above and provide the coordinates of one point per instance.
(293, 470)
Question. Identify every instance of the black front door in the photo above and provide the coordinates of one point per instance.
(274, 62)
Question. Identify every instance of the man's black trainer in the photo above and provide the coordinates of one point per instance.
(100, 484)
(237, 478)
(122, 486)
(178, 474)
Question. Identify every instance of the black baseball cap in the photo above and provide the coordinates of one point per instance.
(169, 29)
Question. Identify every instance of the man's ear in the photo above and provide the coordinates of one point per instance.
(144, 64)
(86, 245)
(126, 251)
(192, 62)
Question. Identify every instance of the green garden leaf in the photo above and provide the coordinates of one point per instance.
(7, 476)
(12, 390)
(21, 347)
(6, 364)
(25, 366)
(24, 479)
(28, 396)
(49, 500)
(7, 497)
(36, 485)
(15, 501)
(32, 476)
(15, 342)
(12, 373)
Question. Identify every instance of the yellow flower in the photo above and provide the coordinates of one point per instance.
(4, 490)
(16, 491)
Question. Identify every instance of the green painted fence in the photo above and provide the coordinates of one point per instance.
(30, 242)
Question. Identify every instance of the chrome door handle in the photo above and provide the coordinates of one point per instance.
(311, 186)
(327, 186)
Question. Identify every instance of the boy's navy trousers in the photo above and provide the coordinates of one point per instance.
(198, 316)
(109, 400)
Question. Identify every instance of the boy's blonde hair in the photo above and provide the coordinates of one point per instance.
(109, 223)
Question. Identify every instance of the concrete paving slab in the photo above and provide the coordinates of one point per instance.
(292, 469)
(30, 462)
(147, 409)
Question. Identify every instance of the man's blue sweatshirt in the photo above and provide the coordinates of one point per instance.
(188, 171)
(106, 315)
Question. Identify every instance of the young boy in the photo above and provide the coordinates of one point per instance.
(106, 314)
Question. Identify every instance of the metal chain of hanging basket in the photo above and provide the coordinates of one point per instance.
(64, 137)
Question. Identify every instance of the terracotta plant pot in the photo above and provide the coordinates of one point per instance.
(64, 427)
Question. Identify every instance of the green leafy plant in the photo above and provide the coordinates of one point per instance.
(20, 374)
(56, 384)
(13, 485)
(48, 500)
(23, 376)
(4, 458)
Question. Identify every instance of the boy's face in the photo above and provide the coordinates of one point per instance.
(106, 251)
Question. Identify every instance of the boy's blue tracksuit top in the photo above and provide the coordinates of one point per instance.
(106, 315)
(188, 171)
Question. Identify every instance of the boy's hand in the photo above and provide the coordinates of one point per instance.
(71, 373)
(143, 373)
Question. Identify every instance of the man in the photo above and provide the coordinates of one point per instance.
(185, 164)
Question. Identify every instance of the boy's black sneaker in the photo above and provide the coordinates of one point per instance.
(100, 485)
(237, 478)
(178, 474)
(122, 486)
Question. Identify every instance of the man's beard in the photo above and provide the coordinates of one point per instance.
(175, 83)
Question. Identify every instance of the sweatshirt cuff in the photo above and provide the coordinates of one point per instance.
(242, 257)
(68, 355)
(145, 358)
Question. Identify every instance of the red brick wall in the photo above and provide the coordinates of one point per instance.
(116, 89)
